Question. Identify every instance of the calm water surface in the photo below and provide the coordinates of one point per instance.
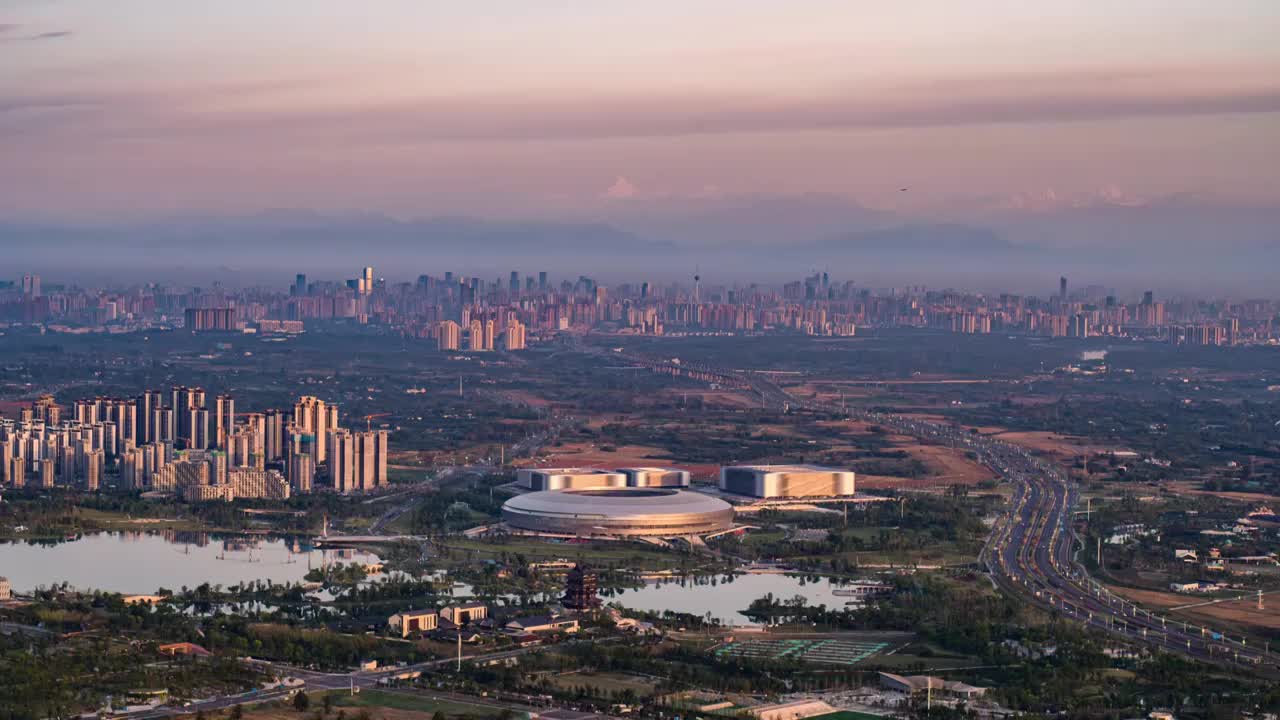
(725, 599)
(140, 563)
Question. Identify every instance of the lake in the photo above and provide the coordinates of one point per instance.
(726, 598)
(141, 562)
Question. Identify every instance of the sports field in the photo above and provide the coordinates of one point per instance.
(824, 651)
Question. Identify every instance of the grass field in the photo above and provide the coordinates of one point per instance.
(605, 684)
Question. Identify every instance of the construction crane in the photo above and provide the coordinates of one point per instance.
(368, 419)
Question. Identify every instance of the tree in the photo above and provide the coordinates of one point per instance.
(438, 715)
(237, 712)
(300, 701)
(328, 703)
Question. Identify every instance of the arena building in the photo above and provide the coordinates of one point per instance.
(569, 478)
(655, 477)
(786, 481)
(651, 512)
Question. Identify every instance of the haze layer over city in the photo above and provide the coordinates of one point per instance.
(587, 361)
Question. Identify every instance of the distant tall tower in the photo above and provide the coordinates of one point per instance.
(368, 280)
(1062, 288)
(697, 286)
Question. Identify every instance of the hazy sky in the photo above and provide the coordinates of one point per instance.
(517, 107)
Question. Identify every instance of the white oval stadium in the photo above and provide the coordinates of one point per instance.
(651, 512)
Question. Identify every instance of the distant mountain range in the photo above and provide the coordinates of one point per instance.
(742, 239)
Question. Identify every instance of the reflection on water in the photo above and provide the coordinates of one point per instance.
(724, 597)
(142, 562)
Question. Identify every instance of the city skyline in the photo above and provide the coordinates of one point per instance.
(605, 359)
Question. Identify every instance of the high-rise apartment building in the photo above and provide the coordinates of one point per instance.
(514, 336)
(359, 461)
(273, 427)
(479, 332)
(448, 335)
(312, 416)
(224, 419)
(210, 319)
(302, 471)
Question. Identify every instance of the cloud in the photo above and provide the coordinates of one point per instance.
(621, 188)
(8, 34)
(240, 117)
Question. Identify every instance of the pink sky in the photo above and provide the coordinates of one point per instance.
(138, 107)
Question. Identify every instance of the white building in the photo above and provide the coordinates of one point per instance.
(655, 477)
(569, 478)
(786, 481)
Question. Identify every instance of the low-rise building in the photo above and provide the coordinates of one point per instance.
(184, 648)
(786, 481)
(913, 684)
(538, 624)
(465, 614)
(655, 477)
(410, 622)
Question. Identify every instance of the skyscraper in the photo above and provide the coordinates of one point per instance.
(1062, 288)
(475, 336)
(301, 470)
(199, 421)
(359, 460)
(542, 280)
(313, 417)
(448, 335)
(342, 460)
(514, 336)
(93, 471)
(224, 419)
(300, 285)
(368, 280)
(273, 429)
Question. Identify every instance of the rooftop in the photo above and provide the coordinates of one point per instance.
(787, 468)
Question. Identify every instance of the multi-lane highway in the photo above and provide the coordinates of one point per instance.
(1032, 550)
